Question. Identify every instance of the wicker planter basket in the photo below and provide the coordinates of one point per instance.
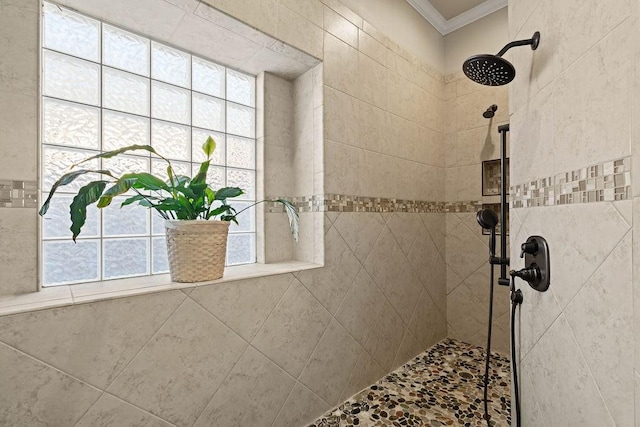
(196, 249)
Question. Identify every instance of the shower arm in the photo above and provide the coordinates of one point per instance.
(533, 41)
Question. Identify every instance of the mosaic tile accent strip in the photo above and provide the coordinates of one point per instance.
(344, 203)
(18, 194)
(605, 182)
(440, 387)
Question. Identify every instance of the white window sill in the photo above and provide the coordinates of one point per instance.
(59, 296)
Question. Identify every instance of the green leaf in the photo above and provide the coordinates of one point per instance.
(201, 176)
(209, 147)
(292, 214)
(67, 179)
(113, 153)
(228, 192)
(136, 198)
(86, 196)
(147, 181)
(121, 186)
(219, 210)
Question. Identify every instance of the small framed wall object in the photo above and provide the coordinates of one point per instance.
(496, 208)
(491, 177)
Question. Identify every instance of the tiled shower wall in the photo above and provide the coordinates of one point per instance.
(574, 114)
(471, 139)
(278, 350)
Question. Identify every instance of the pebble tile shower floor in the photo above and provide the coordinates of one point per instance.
(440, 387)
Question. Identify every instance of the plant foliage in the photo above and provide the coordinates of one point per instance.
(178, 197)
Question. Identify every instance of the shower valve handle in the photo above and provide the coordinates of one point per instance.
(529, 248)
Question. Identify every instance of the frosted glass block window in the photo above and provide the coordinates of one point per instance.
(104, 88)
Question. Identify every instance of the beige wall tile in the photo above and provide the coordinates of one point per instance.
(302, 406)
(340, 117)
(340, 65)
(371, 81)
(340, 27)
(372, 48)
(261, 14)
(386, 337)
(30, 387)
(19, 262)
(428, 323)
(19, 35)
(309, 9)
(359, 231)
(252, 394)
(299, 32)
(366, 372)
(109, 411)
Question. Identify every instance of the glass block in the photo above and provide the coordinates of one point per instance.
(120, 130)
(70, 78)
(157, 224)
(125, 92)
(246, 220)
(243, 179)
(241, 249)
(215, 176)
(66, 123)
(56, 162)
(127, 221)
(208, 77)
(160, 261)
(125, 257)
(241, 152)
(199, 137)
(171, 140)
(56, 222)
(71, 33)
(126, 164)
(208, 112)
(241, 120)
(241, 88)
(69, 262)
(170, 65)
(124, 50)
(159, 168)
(170, 103)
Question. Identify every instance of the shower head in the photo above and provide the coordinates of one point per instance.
(487, 218)
(494, 70)
(491, 111)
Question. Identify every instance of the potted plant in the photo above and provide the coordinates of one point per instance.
(196, 216)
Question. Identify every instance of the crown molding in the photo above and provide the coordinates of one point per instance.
(428, 12)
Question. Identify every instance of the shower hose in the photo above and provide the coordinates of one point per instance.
(516, 300)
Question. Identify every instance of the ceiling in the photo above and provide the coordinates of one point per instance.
(449, 15)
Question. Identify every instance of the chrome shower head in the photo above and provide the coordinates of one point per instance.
(491, 111)
(494, 70)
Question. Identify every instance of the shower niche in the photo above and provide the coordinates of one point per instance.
(491, 179)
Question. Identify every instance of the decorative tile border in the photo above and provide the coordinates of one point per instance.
(18, 194)
(345, 203)
(605, 182)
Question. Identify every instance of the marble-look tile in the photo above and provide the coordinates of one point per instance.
(589, 126)
(431, 149)
(601, 318)
(309, 9)
(19, 145)
(177, 372)
(327, 372)
(98, 343)
(406, 290)
(301, 407)
(36, 394)
(373, 127)
(529, 407)
(365, 372)
(625, 209)
(360, 307)
(464, 183)
(371, 81)
(519, 11)
(636, 376)
(297, 31)
(340, 65)
(500, 339)
(562, 382)
(252, 394)
(19, 44)
(428, 323)
(293, 329)
(340, 113)
(429, 266)
(478, 283)
(453, 280)
(409, 347)
(344, 166)
(340, 27)
(202, 37)
(575, 258)
(385, 337)
(19, 262)
(372, 48)
(345, 12)
(331, 283)
(261, 14)
(383, 262)
(243, 305)
(109, 411)
(273, 62)
(436, 226)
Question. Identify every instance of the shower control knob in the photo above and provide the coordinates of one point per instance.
(529, 248)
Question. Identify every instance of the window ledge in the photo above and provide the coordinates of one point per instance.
(60, 296)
